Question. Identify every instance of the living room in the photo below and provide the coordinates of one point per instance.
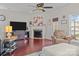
(35, 24)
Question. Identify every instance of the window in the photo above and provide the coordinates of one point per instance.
(74, 26)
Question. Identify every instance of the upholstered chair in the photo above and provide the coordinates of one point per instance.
(60, 37)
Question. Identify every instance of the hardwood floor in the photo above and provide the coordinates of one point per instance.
(32, 46)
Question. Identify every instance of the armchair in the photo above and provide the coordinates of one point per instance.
(60, 37)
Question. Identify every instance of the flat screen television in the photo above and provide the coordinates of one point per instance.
(18, 25)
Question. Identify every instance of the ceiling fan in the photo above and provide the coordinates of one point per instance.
(42, 7)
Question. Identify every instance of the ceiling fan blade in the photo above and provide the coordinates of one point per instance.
(48, 7)
(39, 10)
(43, 10)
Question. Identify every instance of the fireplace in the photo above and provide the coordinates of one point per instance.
(37, 33)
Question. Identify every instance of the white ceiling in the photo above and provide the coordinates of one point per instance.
(28, 7)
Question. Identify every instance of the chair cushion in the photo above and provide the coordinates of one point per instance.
(59, 34)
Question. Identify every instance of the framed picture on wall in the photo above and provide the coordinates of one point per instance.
(55, 19)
